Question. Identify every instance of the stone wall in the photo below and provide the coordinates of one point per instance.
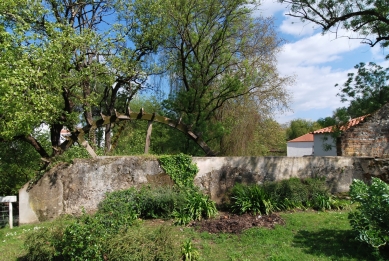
(369, 138)
(67, 189)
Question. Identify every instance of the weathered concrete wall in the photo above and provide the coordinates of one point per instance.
(369, 138)
(66, 189)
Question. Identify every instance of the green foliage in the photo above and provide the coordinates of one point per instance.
(307, 235)
(288, 194)
(251, 199)
(180, 168)
(43, 243)
(300, 127)
(119, 209)
(371, 218)
(197, 205)
(87, 238)
(138, 244)
(18, 164)
(83, 240)
(189, 253)
(366, 18)
(367, 91)
(159, 202)
(206, 41)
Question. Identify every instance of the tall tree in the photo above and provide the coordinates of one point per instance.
(367, 91)
(215, 53)
(62, 58)
(368, 18)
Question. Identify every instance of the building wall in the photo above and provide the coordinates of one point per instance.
(67, 189)
(299, 149)
(318, 143)
(369, 138)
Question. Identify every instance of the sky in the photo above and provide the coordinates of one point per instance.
(317, 62)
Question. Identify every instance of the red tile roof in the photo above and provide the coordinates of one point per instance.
(305, 138)
(350, 123)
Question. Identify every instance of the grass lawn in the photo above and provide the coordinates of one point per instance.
(307, 235)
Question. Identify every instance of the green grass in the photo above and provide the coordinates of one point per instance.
(307, 235)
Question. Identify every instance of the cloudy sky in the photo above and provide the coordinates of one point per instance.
(317, 61)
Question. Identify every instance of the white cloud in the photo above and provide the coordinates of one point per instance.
(316, 49)
(318, 62)
(293, 26)
(269, 8)
(312, 60)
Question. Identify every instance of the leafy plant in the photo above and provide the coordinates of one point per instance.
(371, 218)
(180, 168)
(283, 195)
(189, 253)
(197, 205)
(250, 199)
(83, 239)
(118, 209)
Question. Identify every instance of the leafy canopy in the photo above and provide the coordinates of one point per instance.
(367, 91)
(368, 18)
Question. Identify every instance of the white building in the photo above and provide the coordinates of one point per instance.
(300, 146)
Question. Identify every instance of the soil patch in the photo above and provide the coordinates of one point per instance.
(231, 223)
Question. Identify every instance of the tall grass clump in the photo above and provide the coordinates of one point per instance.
(288, 194)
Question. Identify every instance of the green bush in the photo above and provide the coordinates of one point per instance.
(371, 218)
(44, 243)
(288, 194)
(159, 202)
(88, 239)
(119, 209)
(143, 244)
(83, 240)
(250, 199)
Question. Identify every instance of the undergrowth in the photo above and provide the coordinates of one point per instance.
(288, 194)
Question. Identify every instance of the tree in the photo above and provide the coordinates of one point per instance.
(299, 127)
(367, 91)
(339, 117)
(369, 19)
(60, 61)
(215, 53)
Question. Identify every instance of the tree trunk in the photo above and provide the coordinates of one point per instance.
(148, 136)
(55, 137)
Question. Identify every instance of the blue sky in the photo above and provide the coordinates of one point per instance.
(317, 61)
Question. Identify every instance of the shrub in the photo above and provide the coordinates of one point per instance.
(283, 195)
(83, 239)
(143, 244)
(159, 202)
(43, 243)
(250, 199)
(118, 209)
(371, 218)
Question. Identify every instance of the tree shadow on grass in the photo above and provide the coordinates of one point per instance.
(336, 244)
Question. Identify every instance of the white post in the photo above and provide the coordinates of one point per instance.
(9, 199)
(10, 215)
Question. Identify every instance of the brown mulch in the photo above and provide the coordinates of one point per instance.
(231, 223)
